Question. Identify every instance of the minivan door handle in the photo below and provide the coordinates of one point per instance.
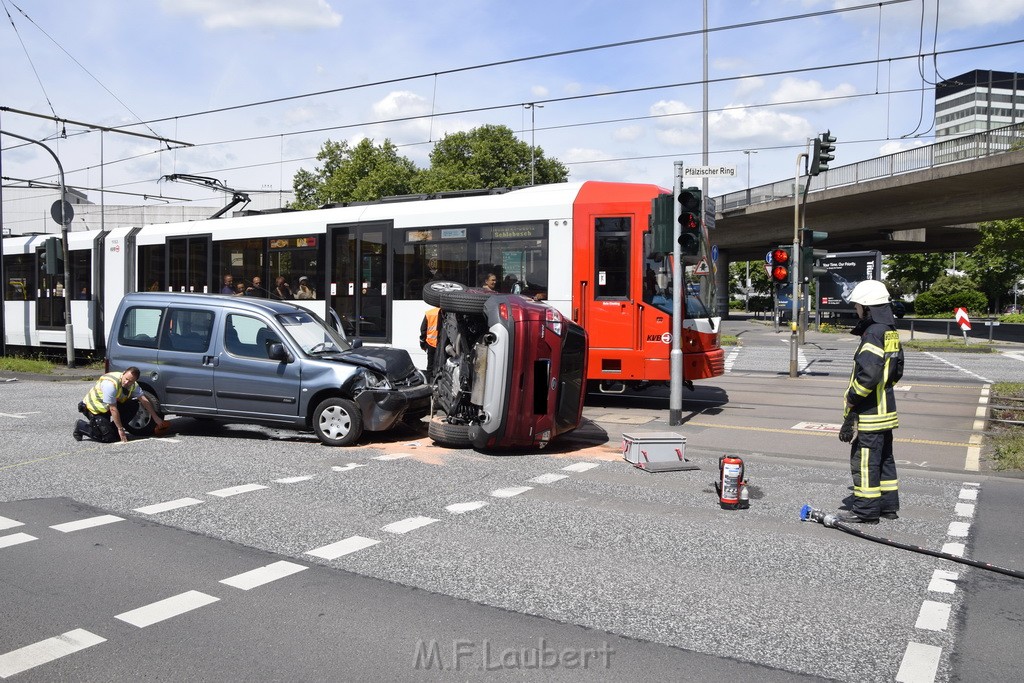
(213, 361)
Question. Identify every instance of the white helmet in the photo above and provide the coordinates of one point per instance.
(869, 293)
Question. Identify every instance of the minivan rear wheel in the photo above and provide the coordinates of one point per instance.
(337, 422)
(141, 423)
(432, 291)
(448, 434)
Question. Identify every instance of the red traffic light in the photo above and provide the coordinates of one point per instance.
(780, 257)
(780, 273)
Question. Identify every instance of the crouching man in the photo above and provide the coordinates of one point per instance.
(111, 404)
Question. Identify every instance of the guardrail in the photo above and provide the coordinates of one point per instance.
(990, 323)
(965, 148)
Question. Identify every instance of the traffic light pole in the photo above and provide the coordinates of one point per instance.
(675, 359)
(795, 272)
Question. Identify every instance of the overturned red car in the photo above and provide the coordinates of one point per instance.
(509, 372)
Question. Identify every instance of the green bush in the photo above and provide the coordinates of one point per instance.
(1012, 318)
(949, 293)
(736, 305)
(761, 304)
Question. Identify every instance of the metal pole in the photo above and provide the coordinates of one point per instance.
(675, 365)
(69, 330)
(795, 272)
(707, 289)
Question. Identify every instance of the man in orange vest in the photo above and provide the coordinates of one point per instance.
(428, 337)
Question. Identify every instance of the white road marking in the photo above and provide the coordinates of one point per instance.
(968, 494)
(344, 547)
(580, 467)
(48, 650)
(934, 616)
(920, 663)
(959, 529)
(169, 505)
(87, 523)
(957, 367)
(954, 549)
(263, 575)
(460, 508)
(964, 509)
(392, 456)
(406, 525)
(731, 359)
(829, 427)
(161, 610)
(350, 466)
(549, 478)
(15, 539)
(510, 491)
(294, 480)
(20, 417)
(7, 523)
(942, 582)
(235, 490)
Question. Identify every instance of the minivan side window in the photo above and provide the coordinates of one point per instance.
(187, 330)
(140, 327)
(247, 337)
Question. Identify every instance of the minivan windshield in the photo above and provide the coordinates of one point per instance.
(311, 334)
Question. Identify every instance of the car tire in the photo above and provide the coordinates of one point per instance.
(142, 424)
(337, 422)
(467, 301)
(432, 291)
(448, 434)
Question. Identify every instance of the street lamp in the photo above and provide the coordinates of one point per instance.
(533, 107)
(748, 152)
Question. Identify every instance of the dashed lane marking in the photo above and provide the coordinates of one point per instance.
(45, 651)
(580, 467)
(167, 506)
(87, 523)
(549, 478)
(7, 523)
(344, 547)
(392, 456)
(968, 494)
(954, 549)
(161, 610)
(920, 664)
(943, 582)
(934, 616)
(15, 539)
(263, 575)
(964, 509)
(346, 468)
(958, 529)
(957, 367)
(294, 480)
(510, 491)
(235, 490)
(406, 525)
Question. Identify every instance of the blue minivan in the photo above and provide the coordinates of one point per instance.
(260, 361)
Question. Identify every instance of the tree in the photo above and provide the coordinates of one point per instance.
(349, 174)
(911, 274)
(947, 294)
(486, 157)
(997, 263)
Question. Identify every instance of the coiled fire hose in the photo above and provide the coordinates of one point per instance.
(809, 514)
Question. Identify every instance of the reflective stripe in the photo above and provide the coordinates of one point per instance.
(871, 348)
(94, 399)
(889, 485)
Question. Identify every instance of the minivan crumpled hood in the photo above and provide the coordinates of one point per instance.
(395, 364)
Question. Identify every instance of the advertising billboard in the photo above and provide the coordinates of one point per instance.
(844, 271)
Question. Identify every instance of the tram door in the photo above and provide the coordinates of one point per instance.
(610, 315)
(359, 280)
(188, 265)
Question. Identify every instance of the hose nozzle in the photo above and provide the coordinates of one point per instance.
(809, 514)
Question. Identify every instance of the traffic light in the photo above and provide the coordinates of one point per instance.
(53, 257)
(824, 145)
(689, 220)
(781, 264)
(808, 254)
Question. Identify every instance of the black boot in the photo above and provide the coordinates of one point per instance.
(851, 518)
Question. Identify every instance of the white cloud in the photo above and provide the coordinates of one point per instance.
(810, 93)
(400, 103)
(628, 133)
(572, 88)
(746, 124)
(539, 91)
(894, 146)
(229, 14)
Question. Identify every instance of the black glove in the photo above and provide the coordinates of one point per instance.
(849, 428)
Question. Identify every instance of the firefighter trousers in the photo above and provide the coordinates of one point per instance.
(875, 484)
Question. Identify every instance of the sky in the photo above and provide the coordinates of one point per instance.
(617, 86)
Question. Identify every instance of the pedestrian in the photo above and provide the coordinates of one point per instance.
(256, 287)
(428, 337)
(282, 290)
(229, 285)
(870, 410)
(304, 291)
(110, 405)
(489, 281)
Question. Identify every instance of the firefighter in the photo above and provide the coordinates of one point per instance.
(870, 410)
(112, 403)
(428, 337)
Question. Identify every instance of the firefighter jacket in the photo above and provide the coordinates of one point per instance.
(94, 399)
(877, 367)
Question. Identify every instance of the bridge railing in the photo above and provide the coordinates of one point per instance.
(974, 146)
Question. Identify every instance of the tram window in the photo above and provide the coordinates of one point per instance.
(152, 274)
(611, 257)
(295, 257)
(241, 259)
(421, 256)
(20, 278)
(81, 274)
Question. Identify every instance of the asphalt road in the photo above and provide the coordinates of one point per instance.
(572, 545)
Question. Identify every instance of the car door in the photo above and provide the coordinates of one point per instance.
(184, 373)
(249, 384)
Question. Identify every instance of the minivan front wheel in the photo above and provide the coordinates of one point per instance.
(337, 422)
(141, 423)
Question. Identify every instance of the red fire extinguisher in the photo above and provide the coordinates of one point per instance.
(731, 486)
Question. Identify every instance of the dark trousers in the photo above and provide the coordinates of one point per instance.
(101, 427)
(875, 485)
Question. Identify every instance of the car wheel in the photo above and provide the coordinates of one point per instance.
(448, 434)
(466, 301)
(337, 422)
(141, 423)
(432, 291)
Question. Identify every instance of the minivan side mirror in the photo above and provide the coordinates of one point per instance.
(276, 351)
